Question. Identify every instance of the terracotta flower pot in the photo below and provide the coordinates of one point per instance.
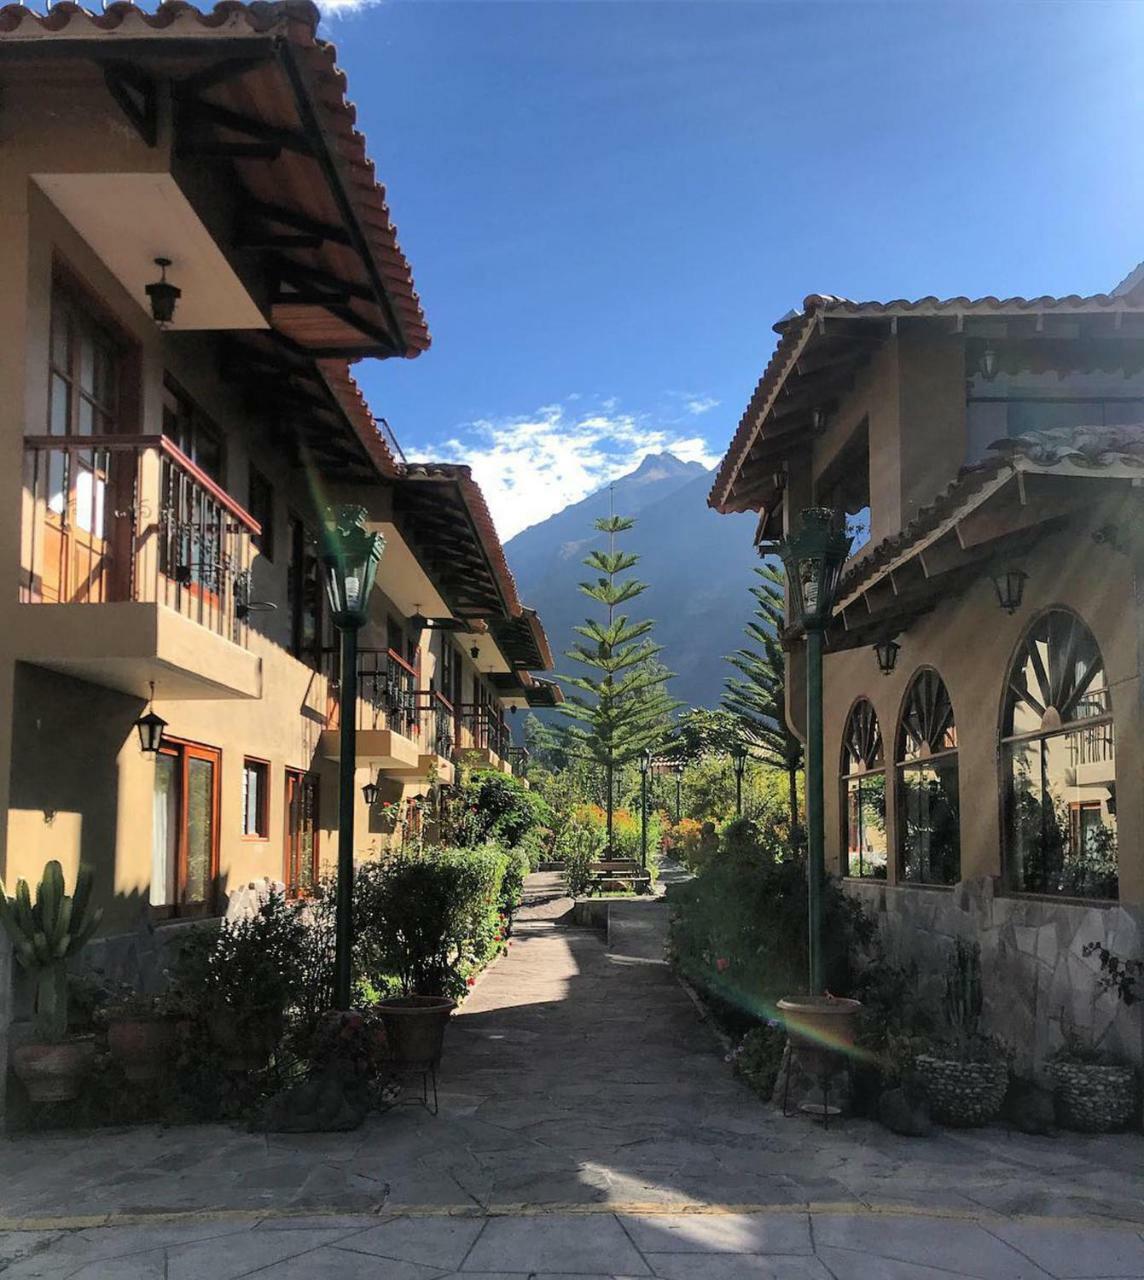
(53, 1072)
(415, 1028)
(820, 1027)
(141, 1046)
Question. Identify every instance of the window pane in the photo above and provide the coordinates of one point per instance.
(253, 799)
(86, 363)
(866, 826)
(60, 406)
(200, 829)
(57, 496)
(61, 353)
(85, 418)
(931, 842)
(164, 831)
(1062, 814)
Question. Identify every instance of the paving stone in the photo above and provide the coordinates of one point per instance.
(227, 1257)
(433, 1242)
(943, 1243)
(736, 1266)
(332, 1263)
(1072, 1254)
(846, 1264)
(721, 1233)
(592, 1243)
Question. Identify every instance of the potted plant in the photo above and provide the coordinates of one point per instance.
(236, 981)
(410, 928)
(45, 934)
(140, 1033)
(965, 1075)
(1093, 1092)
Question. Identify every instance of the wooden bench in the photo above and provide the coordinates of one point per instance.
(621, 873)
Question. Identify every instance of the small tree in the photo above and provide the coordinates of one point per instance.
(759, 699)
(622, 706)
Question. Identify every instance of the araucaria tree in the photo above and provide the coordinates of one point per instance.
(620, 706)
(759, 699)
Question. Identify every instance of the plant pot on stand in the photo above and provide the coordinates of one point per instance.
(415, 1033)
(822, 1032)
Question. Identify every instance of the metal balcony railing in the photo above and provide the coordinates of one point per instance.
(387, 691)
(131, 518)
(438, 717)
(485, 729)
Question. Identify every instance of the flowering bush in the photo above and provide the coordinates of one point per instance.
(682, 840)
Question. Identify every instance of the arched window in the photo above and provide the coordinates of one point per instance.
(864, 794)
(929, 822)
(1059, 757)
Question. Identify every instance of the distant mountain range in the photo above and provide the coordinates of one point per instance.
(697, 564)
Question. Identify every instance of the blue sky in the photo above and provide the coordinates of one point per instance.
(608, 204)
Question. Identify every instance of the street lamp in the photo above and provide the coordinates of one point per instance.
(645, 765)
(739, 759)
(813, 557)
(350, 558)
(679, 768)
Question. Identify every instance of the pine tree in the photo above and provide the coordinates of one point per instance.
(759, 700)
(622, 706)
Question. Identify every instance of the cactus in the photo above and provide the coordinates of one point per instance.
(963, 996)
(44, 935)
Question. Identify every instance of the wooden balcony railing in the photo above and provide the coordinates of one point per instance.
(132, 518)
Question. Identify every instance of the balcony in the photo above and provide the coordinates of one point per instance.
(145, 563)
(388, 721)
(484, 736)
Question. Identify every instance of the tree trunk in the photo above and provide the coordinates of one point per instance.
(610, 808)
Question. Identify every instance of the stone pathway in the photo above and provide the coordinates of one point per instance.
(587, 1127)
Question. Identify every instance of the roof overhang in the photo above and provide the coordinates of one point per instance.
(821, 350)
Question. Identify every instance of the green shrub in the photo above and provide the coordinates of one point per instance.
(425, 923)
(578, 846)
(759, 1055)
(739, 928)
(491, 805)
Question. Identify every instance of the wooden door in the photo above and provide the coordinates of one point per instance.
(185, 832)
(301, 854)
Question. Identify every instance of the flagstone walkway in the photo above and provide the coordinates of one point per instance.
(588, 1126)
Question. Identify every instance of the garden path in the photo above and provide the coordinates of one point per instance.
(588, 1125)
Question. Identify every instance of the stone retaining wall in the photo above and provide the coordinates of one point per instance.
(1038, 984)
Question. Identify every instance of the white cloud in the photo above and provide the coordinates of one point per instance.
(534, 465)
(701, 404)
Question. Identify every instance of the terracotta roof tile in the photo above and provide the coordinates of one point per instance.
(795, 330)
(295, 21)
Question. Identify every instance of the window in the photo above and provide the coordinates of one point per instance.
(255, 799)
(260, 504)
(304, 590)
(184, 834)
(929, 823)
(193, 528)
(864, 794)
(844, 487)
(1059, 761)
(187, 427)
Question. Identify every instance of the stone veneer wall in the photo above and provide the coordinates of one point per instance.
(1037, 984)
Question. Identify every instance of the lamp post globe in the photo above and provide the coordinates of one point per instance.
(350, 556)
(813, 556)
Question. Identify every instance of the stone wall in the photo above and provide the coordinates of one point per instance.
(1038, 985)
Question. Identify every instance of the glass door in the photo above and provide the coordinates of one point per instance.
(184, 839)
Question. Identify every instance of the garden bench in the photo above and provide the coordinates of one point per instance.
(621, 872)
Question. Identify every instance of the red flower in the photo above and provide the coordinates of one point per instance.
(722, 964)
(472, 982)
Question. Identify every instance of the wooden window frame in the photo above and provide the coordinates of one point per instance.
(184, 750)
(300, 777)
(262, 835)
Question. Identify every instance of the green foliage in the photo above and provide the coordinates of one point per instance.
(897, 1021)
(493, 806)
(578, 845)
(759, 1055)
(739, 928)
(758, 698)
(620, 707)
(1116, 973)
(45, 933)
(963, 1000)
(250, 969)
(425, 923)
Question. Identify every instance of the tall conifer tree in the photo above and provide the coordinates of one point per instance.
(759, 699)
(622, 705)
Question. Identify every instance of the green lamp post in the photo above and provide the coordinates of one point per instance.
(814, 555)
(739, 760)
(350, 557)
(645, 768)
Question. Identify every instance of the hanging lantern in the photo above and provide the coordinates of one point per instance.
(350, 557)
(989, 363)
(369, 794)
(150, 727)
(1010, 587)
(886, 651)
(162, 295)
(814, 556)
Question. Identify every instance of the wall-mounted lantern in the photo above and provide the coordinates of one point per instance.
(150, 727)
(162, 295)
(1010, 587)
(886, 651)
(475, 652)
(989, 363)
(369, 794)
